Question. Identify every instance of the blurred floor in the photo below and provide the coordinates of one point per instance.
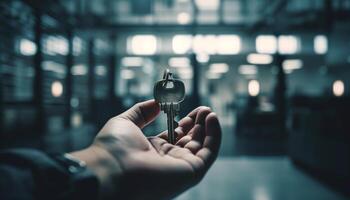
(260, 177)
(256, 178)
(233, 146)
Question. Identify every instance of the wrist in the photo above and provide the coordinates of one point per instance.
(106, 168)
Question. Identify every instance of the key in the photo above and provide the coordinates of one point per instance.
(169, 93)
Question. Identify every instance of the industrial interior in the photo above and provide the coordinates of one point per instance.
(276, 72)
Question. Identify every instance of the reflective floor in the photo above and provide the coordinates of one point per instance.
(258, 178)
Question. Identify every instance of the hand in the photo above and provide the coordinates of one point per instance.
(131, 166)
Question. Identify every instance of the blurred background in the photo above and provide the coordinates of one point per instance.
(276, 72)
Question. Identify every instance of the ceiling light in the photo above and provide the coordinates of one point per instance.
(228, 44)
(205, 44)
(266, 44)
(320, 44)
(127, 74)
(132, 61)
(292, 64)
(56, 89)
(288, 44)
(202, 57)
(253, 88)
(338, 88)
(259, 59)
(143, 44)
(79, 70)
(183, 18)
(181, 44)
(27, 47)
(219, 68)
(207, 4)
(54, 67)
(247, 69)
(179, 62)
(185, 73)
(100, 70)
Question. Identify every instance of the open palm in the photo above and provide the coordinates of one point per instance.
(152, 167)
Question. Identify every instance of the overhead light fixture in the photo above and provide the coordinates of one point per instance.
(292, 64)
(253, 88)
(186, 70)
(219, 68)
(76, 120)
(54, 67)
(100, 70)
(247, 69)
(320, 44)
(338, 88)
(179, 62)
(212, 44)
(186, 76)
(202, 57)
(127, 74)
(77, 45)
(181, 43)
(288, 44)
(205, 44)
(183, 18)
(79, 70)
(27, 47)
(55, 45)
(266, 44)
(207, 4)
(132, 61)
(259, 59)
(228, 44)
(143, 44)
(185, 73)
(56, 89)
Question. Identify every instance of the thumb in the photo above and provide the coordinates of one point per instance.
(142, 113)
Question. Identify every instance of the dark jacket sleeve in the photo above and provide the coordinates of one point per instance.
(31, 174)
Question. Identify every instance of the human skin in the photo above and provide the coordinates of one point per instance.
(129, 165)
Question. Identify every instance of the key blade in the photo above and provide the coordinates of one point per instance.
(170, 121)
